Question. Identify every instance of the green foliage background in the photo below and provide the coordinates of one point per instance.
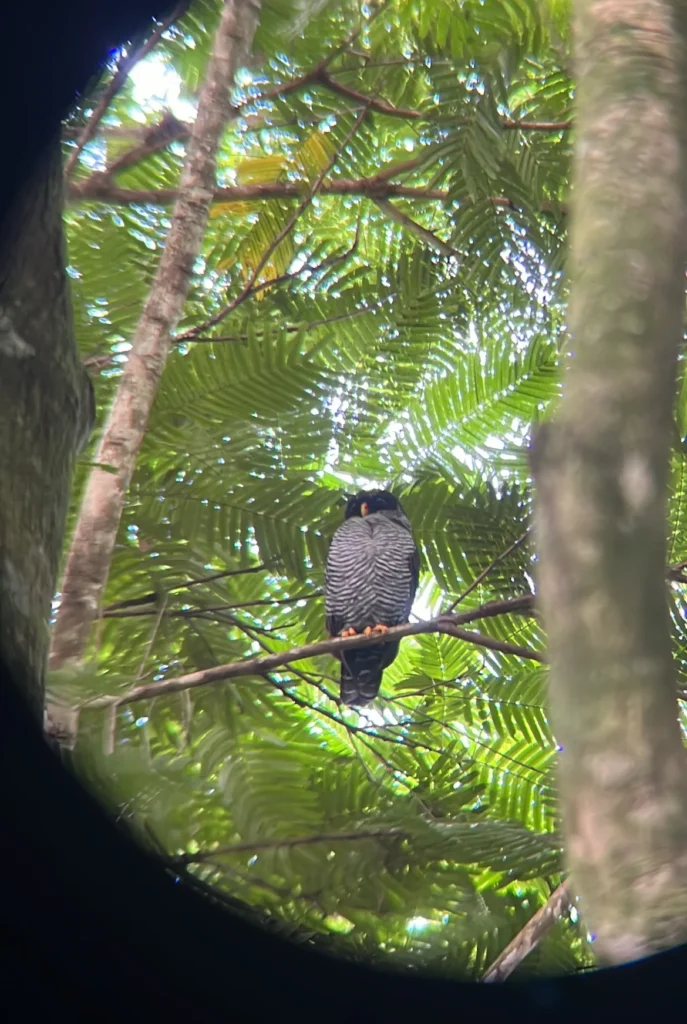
(374, 359)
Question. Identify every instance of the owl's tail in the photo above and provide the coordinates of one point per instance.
(362, 671)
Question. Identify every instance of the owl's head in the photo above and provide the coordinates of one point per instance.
(364, 503)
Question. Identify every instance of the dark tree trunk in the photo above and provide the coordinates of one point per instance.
(46, 410)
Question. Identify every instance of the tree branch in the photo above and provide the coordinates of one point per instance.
(133, 602)
(528, 937)
(275, 844)
(118, 79)
(145, 606)
(380, 106)
(308, 269)
(88, 560)
(492, 565)
(377, 187)
(168, 129)
(276, 242)
(448, 624)
(139, 131)
(422, 233)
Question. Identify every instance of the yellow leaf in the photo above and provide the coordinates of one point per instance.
(314, 154)
(258, 170)
(239, 208)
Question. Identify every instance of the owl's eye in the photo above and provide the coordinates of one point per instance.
(364, 508)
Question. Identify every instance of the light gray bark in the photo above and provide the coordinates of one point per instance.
(601, 470)
(93, 543)
(539, 925)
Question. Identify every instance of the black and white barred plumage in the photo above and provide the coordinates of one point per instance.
(371, 579)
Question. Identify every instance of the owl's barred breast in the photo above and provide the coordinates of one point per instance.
(369, 579)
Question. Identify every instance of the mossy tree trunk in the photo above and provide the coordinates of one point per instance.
(601, 469)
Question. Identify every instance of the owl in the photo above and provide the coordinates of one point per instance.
(371, 578)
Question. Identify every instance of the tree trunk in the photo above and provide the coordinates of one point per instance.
(89, 558)
(601, 470)
(46, 413)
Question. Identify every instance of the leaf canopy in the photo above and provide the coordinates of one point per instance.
(362, 355)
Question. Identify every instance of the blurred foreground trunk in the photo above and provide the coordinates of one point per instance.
(46, 412)
(601, 469)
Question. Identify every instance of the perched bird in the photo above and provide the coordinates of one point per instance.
(371, 578)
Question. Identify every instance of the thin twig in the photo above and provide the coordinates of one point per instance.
(303, 328)
(528, 937)
(273, 282)
(405, 167)
(98, 362)
(492, 565)
(166, 131)
(152, 598)
(134, 612)
(373, 103)
(276, 844)
(502, 646)
(276, 242)
(537, 126)
(118, 79)
(170, 129)
(358, 730)
(153, 636)
(421, 232)
(424, 717)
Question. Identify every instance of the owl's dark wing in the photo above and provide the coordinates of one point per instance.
(414, 566)
(334, 624)
(333, 621)
(338, 586)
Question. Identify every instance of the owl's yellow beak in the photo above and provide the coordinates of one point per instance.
(364, 508)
